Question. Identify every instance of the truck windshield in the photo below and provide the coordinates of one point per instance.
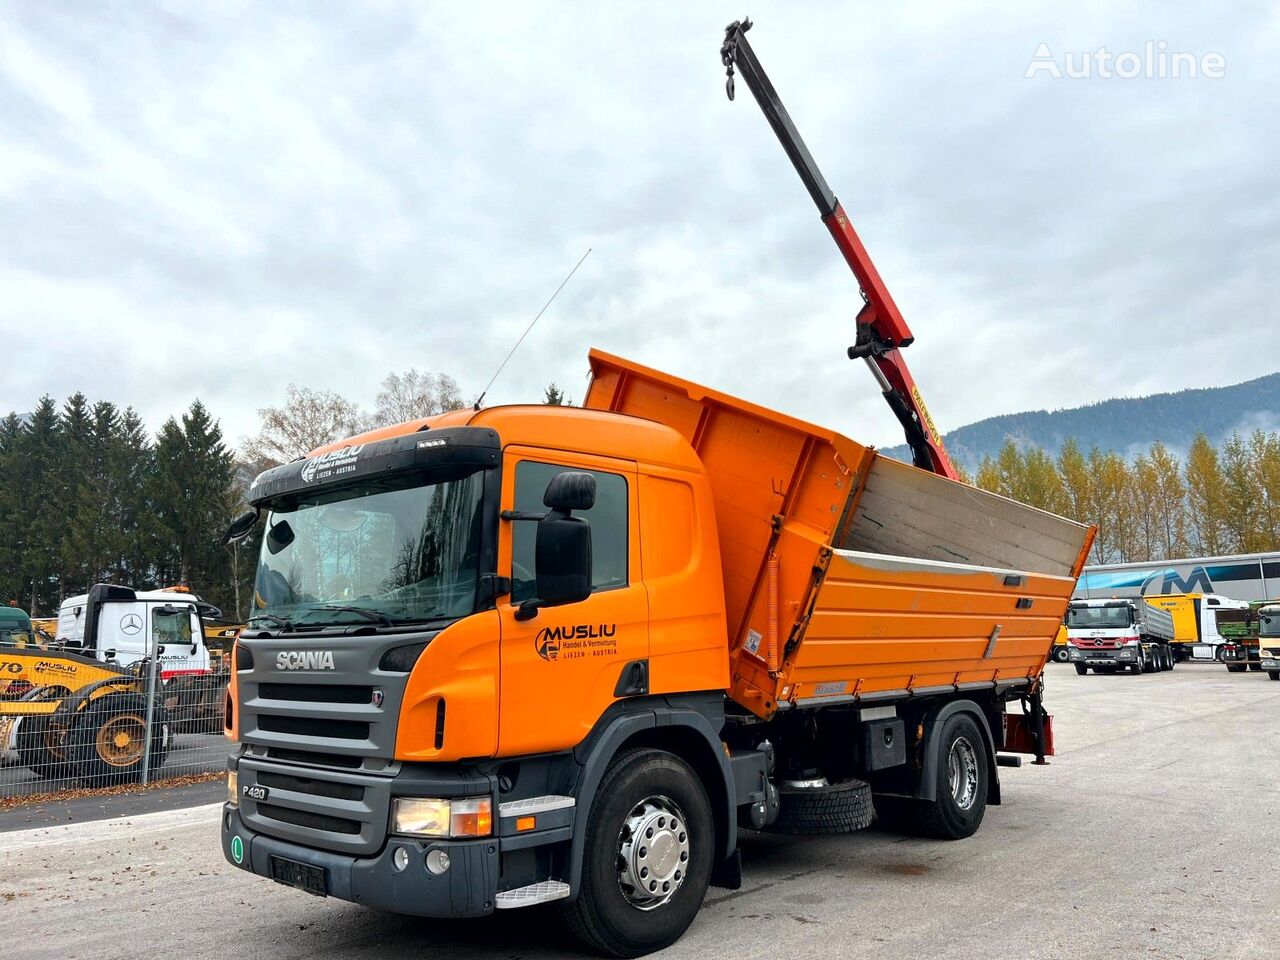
(1269, 623)
(368, 552)
(1098, 618)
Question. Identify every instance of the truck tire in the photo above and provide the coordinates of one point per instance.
(654, 795)
(1149, 663)
(1081, 669)
(109, 740)
(843, 807)
(1255, 666)
(41, 750)
(1274, 674)
(962, 782)
(1172, 657)
(1061, 654)
(1237, 667)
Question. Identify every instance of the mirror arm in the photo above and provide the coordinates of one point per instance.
(518, 515)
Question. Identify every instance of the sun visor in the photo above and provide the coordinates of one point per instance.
(458, 448)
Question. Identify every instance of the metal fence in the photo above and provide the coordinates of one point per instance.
(141, 727)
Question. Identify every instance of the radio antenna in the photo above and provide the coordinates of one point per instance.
(530, 327)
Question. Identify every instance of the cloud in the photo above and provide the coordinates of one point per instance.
(215, 201)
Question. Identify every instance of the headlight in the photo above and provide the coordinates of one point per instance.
(429, 817)
(233, 787)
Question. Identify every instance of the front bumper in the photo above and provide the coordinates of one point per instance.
(468, 888)
(1103, 658)
(1270, 663)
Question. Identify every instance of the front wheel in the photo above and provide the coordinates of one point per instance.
(1274, 674)
(648, 856)
(1061, 654)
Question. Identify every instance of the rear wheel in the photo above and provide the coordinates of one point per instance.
(962, 782)
(1148, 659)
(1274, 674)
(1255, 666)
(648, 856)
(1081, 669)
(1236, 667)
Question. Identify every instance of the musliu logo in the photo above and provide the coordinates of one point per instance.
(548, 640)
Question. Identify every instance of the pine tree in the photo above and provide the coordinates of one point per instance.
(553, 396)
(196, 499)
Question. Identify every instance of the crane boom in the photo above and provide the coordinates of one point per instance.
(881, 330)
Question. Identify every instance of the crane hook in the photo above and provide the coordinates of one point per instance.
(729, 50)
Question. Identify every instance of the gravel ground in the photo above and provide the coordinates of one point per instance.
(1153, 833)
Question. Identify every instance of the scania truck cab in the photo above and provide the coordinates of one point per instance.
(1123, 634)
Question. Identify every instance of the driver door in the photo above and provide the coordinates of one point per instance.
(560, 669)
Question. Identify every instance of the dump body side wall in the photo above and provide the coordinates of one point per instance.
(933, 567)
(885, 625)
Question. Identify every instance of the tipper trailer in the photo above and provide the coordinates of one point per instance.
(536, 654)
(1201, 623)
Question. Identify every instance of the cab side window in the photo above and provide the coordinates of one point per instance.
(608, 520)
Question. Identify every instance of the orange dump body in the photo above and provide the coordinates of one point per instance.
(848, 575)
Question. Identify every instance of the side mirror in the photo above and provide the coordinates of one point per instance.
(240, 527)
(562, 555)
(279, 536)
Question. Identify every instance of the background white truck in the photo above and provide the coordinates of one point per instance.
(1111, 635)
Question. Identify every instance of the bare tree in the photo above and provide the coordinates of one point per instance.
(307, 419)
(413, 395)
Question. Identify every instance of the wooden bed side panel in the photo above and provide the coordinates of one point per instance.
(909, 512)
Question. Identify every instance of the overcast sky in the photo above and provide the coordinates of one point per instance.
(214, 200)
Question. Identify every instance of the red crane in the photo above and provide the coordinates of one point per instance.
(881, 330)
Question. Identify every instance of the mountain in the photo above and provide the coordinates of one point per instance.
(1124, 425)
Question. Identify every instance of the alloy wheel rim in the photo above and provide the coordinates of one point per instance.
(962, 772)
(653, 852)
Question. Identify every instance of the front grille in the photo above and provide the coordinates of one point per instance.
(316, 693)
(311, 727)
(304, 818)
(315, 759)
(317, 788)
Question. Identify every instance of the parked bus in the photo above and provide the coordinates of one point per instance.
(1250, 576)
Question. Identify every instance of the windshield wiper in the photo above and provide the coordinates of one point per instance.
(373, 615)
(285, 625)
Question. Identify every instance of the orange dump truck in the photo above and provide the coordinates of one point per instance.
(530, 654)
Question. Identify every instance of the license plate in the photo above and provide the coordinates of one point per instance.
(301, 875)
(255, 792)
